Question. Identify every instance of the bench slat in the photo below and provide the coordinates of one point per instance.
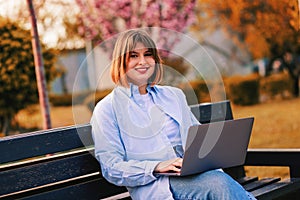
(246, 180)
(275, 157)
(39, 143)
(47, 172)
(286, 189)
(91, 190)
(260, 183)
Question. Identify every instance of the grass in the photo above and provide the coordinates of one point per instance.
(277, 125)
(30, 118)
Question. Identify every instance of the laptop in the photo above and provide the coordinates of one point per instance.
(215, 145)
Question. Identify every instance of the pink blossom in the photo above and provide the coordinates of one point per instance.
(101, 19)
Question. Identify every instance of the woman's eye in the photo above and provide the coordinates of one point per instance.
(148, 54)
(133, 56)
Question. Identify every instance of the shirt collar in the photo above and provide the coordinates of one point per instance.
(134, 90)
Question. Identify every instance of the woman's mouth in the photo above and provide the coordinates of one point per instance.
(142, 69)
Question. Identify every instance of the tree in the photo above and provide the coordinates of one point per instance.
(101, 19)
(258, 25)
(53, 21)
(17, 73)
(39, 69)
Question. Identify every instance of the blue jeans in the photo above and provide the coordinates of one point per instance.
(212, 184)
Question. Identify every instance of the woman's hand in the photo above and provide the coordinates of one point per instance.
(169, 165)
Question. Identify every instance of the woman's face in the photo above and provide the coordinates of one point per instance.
(140, 65)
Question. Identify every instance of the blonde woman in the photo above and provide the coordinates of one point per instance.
(141, 127)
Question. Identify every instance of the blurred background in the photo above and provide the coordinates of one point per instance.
(254, 44)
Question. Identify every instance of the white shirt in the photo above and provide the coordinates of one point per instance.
(131, 140)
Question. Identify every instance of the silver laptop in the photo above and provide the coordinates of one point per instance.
(215, 145)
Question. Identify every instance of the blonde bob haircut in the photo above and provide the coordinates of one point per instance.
(125, 44)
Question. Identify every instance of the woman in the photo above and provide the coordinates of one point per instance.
(141, 127)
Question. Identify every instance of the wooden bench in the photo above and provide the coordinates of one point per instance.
(59, 164)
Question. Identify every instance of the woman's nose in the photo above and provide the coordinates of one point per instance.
(142, 60)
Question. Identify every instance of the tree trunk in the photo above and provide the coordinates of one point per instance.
(6, 125)
(39, 69)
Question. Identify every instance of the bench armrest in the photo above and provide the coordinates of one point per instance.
(275, 157)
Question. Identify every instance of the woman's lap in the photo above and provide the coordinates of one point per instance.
(213, 184)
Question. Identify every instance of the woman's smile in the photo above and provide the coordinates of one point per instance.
(142, 70)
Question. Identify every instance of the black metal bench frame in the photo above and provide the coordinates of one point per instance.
(59, 164)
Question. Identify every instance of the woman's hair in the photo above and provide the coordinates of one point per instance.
(126, 42)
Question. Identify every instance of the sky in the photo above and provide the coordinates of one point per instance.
(10, 9)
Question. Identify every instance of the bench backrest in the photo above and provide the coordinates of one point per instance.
(212, 112)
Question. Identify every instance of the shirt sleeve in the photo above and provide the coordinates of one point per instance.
(109, 151)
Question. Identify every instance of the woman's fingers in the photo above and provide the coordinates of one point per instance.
(169, 165)
(177, 163)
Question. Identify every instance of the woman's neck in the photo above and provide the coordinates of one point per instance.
(143, 89)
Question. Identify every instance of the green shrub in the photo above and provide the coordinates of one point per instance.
(243, 90)
(69, 99)
(196, 91)
(276, 85)
(79, 98)
(92, 99)
(60, 99)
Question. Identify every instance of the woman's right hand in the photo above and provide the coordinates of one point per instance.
(169, 165)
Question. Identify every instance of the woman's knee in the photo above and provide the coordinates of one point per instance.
(223, 185)
(216, 178)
